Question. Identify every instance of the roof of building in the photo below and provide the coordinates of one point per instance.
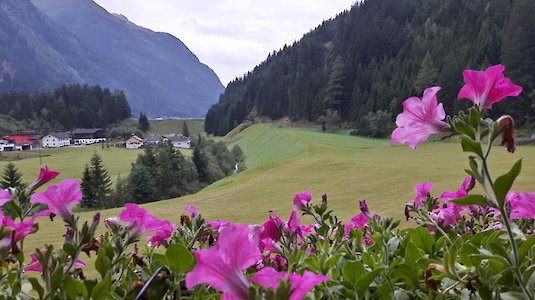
(135, 137)
(153, 138)
(59, 134)
(178, 138)
(86, 130)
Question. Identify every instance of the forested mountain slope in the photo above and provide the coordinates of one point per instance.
(373, 56)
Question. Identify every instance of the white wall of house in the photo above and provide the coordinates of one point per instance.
(88, 141)
(182, 144)
(51, 141)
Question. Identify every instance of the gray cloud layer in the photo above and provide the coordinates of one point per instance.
(230, 36)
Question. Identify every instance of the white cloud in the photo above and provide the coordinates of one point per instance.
(230, 36)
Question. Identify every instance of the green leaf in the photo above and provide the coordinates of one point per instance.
(423, 239)
(364, 283)
(37, 286)
(465, 255)
(74, 288)
(353, 271)
(470, 145)
(407, 274)
(475, 117)
(463, 128)
(102, 289)
(526, 246)
(503, 184)
(412, 253)
(69, 249)
(179, 258)
(56, 278)
(103, 263)
(479, 200)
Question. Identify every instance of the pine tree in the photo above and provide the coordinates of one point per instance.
(143, 122)
(96, 184)
(11, 177)
(427, 75)
(141, 184)
(185, 129)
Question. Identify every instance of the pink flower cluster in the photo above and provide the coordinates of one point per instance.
(422, 118)
(139, 221)
(223, 266)
(19, 230)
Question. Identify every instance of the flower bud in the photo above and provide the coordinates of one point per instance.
(45, 175)
(324, 199)
(364, 208)
(112, 224)
(506, 126)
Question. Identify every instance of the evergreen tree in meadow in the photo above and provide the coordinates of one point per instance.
(96, 184)
(11, 177)
(141, 184)
(185, 129)
(143, 122)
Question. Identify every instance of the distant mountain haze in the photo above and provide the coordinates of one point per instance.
(77, 41)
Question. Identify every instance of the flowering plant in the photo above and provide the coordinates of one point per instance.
(465, 244)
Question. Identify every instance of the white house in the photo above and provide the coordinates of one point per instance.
(134, 142)
(180, 141)
(6, 145)
(56, 139)
(88, 136)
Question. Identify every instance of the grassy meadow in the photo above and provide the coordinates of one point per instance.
(166, 127)
(283, 161)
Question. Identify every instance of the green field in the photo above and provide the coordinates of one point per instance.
(283, 161)
(166, 127)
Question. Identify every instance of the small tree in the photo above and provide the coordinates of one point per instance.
(11, 177)
(185, 129)
(96, 184)
(143, 122)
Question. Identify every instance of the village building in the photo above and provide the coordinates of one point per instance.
(88, 136)
(180, 141)
(56, 139)
(22, 141)
(134, 142)
(152, 140)
(6, 145)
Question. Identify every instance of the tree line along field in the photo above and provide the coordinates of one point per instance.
(283, 161)
(166, 127)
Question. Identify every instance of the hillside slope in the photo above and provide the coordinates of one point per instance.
(381, 52)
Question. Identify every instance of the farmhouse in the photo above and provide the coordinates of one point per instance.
(180, 141)
(152, 140)
(6, 145)
(56, 139)
(22, 141)
(134, 142)
(88, 136)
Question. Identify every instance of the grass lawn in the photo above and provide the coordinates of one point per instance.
(166, 127)
(283, 161)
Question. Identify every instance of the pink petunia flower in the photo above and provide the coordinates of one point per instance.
(35, 266)
(421, 193)
(420, 119)
(293, 222)
(300, 285)
(223, 265)
(218, 224)
(357, 222)
(461, 192)
(301, 200)
(192, 209)
(45, 175)
(5, 196)
(485, 88)
(60, 198)
(19, 230)
(141, 221)
(525, 207)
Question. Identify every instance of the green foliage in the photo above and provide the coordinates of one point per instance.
(11, 177)
(365, 58)
(143, 122)
(96, 184)
(185, 129)
(67, 107)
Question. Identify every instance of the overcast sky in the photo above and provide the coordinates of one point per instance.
(230, 36)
